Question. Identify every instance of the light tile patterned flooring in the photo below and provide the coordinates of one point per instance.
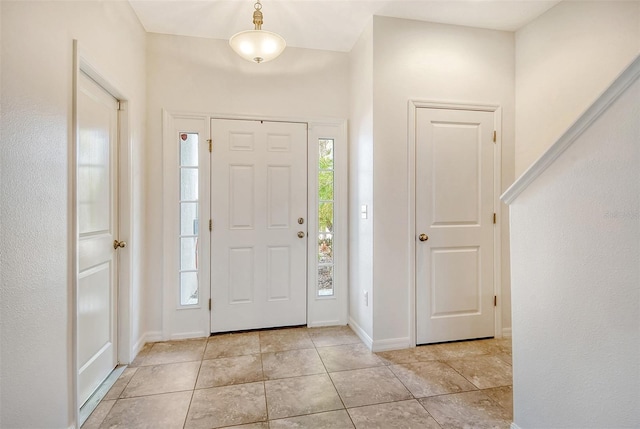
(310, 378)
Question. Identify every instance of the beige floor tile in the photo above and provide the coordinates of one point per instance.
(175, 351)
(297, 396)
(165, 411)
(173, 377)
(414, 354)
(329, 420)
(369, 386)
(231, 370)
(228, 345)
(227, 406)
(99, 414)
(349, 356)
(333, 336)
(430, 378)
(122, 381)
(466, 410)
(503, 396)
(506, 358)
(285, 339)
(401, 415)
(260, 425)
(291, 363)
(484, 371)
(462, 349)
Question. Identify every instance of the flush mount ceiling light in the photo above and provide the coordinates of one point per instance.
(257, 45)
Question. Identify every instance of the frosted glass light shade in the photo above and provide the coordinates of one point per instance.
(258, 46)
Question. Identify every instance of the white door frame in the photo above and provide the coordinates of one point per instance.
(82, 63)
(320, 311)
(411, 233)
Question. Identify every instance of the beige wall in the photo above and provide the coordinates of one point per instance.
(431, 62)
(576, 300)
(564, 60)
(35, 306)
(361, 183)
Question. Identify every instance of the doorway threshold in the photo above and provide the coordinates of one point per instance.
(93, 401)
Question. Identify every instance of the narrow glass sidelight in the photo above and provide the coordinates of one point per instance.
(325, 235)
(189, 222)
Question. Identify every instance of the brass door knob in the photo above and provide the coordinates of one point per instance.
(423, 237)
(300, 234)
(119, 244)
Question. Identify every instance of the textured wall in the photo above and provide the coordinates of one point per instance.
(564, 60)
(35, 306)
(576, 281)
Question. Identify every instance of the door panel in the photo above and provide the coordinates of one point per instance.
(454, 209)
(97, 226)
(259, 190)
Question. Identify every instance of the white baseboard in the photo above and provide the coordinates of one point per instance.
(515, 426)
(324, 323)
(147, 337)
(366, 339)
(189, 335)
(506, 333)
(392, 344)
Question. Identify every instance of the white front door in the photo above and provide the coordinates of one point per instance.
(454, 225)
(259, 216)
(97, 229)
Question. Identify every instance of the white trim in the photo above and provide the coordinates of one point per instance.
(323, 323)
(366, 339)
(514, 426)
(506, 332)
(124, 309)
(330, 310)
(602, 103)
(171, 308)
(392, 344)
(413, 105)
(335, 308)
(148, 337)
(189, 335)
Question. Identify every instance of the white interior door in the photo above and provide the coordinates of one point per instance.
(96, 201)
(258, 245)
(454, 225)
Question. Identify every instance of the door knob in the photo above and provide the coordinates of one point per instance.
(300, 234)
(423, 237)
(119, 244)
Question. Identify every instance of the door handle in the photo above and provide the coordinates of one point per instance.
(300, 234)
(423, 237)
(119, 244)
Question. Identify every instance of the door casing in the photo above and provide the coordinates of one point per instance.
(125, 346)
(321, 311)
(411, 230)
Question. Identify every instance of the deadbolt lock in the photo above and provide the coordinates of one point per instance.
(300, 220)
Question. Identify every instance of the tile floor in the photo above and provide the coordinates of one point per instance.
(310, 378)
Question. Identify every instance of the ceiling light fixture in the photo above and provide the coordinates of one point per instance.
(257, 45)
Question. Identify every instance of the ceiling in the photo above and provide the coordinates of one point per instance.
(326, 24)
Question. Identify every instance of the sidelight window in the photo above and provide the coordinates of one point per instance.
(325, 217)
(189, 222)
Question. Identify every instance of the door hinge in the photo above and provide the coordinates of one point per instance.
(210, 225)
(495, 301)
(210, 144)
(494, 219)
(209, 304)
(495, 135)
